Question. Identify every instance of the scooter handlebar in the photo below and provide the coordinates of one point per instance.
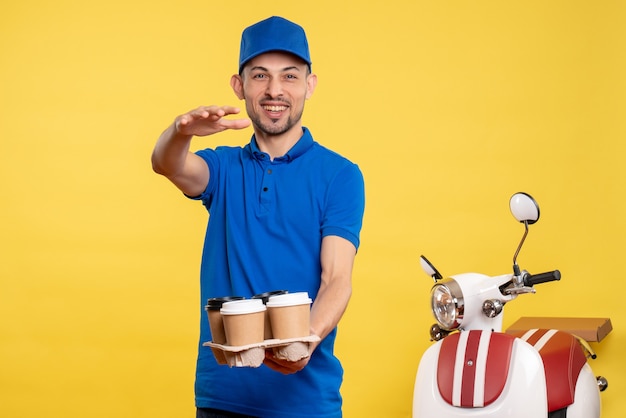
(550, 276)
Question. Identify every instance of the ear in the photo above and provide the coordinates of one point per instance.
(311, 82)
(236, 82)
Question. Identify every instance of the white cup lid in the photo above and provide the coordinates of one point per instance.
(289, 299)
(245, 306)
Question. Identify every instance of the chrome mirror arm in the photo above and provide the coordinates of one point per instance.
(516, 270)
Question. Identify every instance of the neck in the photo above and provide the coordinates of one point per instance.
(277, 145)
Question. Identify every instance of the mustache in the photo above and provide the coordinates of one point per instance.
(271, 100)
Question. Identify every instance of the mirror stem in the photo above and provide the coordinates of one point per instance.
(516, 269)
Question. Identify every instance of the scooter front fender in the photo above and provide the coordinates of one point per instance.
(523, 396)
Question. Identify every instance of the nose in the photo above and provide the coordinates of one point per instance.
(274, 87)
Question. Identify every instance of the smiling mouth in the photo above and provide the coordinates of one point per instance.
(275, 108)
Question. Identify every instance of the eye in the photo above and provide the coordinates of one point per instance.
(259, 76)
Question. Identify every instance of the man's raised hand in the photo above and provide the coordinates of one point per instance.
(208, 120)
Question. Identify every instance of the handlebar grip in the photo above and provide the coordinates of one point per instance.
(550, 276)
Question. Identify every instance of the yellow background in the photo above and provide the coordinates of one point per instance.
(448, 107)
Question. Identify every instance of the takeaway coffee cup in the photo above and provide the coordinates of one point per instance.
(216, 323)
(290, 315)
(265, 297)
(244, 321)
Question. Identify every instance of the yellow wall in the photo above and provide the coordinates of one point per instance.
(448, 107)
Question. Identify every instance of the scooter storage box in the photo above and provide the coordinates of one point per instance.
(590, 329)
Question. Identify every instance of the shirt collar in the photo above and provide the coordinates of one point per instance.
(304, 143)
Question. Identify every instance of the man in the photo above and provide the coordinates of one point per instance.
(284, 213)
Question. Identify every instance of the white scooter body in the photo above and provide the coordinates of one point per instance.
(525, 392)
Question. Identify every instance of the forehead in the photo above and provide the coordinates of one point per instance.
(277, 61)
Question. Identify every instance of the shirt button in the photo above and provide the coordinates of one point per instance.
(269, 171)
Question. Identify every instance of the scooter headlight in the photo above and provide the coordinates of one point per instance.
(447, 304)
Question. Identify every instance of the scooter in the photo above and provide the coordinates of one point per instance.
(476, 370)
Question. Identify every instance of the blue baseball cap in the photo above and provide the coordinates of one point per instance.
(273, 34)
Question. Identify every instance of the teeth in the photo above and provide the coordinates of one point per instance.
(275, 108)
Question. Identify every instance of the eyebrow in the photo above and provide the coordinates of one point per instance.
(261, 68)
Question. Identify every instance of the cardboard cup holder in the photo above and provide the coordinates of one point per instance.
(252, 355)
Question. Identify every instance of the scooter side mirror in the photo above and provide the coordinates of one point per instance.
(524, 208)
(430, 269)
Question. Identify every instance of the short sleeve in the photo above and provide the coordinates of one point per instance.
(211, 158)
(345, 205)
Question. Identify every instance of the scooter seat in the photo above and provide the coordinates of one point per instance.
(563, 359)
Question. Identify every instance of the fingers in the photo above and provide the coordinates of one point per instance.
(284, 366)
(207, 112)
(236, 123)
(230, 110)
(218, 111)
(207, 120)
(211, 112)
(188, 118)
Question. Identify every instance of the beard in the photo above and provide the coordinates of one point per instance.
(274, 126)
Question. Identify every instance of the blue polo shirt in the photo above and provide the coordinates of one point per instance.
(267, 219)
